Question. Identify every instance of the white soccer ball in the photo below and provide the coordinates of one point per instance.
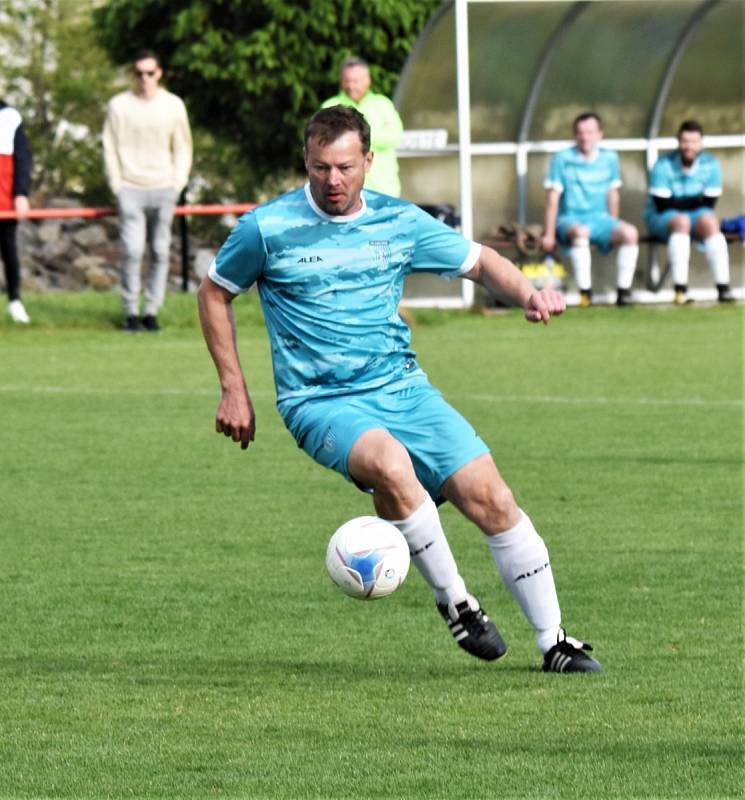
(367, 558)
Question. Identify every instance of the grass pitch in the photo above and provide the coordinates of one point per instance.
(168, 630)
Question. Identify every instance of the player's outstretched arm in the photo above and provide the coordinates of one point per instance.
(235, 414)
(548, 240)
(502, 279)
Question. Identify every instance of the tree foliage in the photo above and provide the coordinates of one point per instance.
(54, 71)
(252, 71)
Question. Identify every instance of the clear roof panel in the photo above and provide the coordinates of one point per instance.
(610, 57)
(708, 85)
(505, 47)
(610, 61)
(505, 43)
(426, 94)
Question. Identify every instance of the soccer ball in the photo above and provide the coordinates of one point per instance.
(367, 558)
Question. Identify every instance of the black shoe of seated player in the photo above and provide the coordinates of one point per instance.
(623, 298)
(724, 293)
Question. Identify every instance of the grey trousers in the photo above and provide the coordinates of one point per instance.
(145, 217)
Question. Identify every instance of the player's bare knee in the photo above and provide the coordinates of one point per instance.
(380, 461)
(707, 225)
(396, 475)
(396, 490)
(629, 234)
(680, 223)
(579, 232)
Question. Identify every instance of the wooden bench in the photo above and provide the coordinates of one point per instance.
(655, 273)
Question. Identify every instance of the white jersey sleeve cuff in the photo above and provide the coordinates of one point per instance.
(474, 252)
(555, 185)
(215, 277)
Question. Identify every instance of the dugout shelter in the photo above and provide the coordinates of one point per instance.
(491, 87)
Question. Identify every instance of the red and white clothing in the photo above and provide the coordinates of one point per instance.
(15, 158)
(15, 180)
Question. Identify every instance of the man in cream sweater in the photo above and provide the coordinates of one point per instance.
(147, 154)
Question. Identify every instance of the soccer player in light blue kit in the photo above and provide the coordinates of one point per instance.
(583, 206)
(329, 261)
(683, 189)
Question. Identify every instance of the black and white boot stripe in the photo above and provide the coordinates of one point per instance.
(570, 655)
(472, 629)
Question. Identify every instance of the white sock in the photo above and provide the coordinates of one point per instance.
(626, 259)
(431, 554)
(579, 253)
(717, 256)
(522, 560)
(679, 253)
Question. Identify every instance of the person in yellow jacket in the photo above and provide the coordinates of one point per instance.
(385, 124)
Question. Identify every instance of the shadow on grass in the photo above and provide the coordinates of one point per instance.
(227, 672)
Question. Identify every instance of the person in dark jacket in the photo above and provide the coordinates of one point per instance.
(15, 180)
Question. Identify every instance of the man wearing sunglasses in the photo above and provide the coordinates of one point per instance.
(147, 155)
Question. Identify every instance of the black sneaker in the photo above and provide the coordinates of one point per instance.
(724, 293)
(623, 298)
(472, 629)
(568, 655)
(132, 324)
(150, 323)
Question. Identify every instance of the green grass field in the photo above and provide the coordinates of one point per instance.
(167, 629)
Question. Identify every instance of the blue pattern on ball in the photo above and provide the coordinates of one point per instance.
(366, 565)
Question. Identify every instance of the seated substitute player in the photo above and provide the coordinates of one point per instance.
(683, 188)
(583, 206)
(329, 260)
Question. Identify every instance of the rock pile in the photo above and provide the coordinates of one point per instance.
(73, 254)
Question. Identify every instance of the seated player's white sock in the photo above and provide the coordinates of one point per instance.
(626, 259)
(579, 253)
(679, 253)
(522, 559)
(431, 554)
(717, 256)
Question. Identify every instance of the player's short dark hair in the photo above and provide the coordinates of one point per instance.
(584, 117)
(328, 124)
(141, 55)
(690, 126)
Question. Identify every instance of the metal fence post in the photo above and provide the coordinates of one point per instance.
(184, 227)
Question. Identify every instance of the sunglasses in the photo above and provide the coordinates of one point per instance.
(141, 73)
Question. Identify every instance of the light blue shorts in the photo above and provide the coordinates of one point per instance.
(439, 440)
(658, 223)
(601, 227)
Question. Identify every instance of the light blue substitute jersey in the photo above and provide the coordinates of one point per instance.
(583, 184)
(330, 287)
(669, 178)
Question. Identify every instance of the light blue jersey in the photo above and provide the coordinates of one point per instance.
(330, 288)
(582, 183)
(670, 179)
